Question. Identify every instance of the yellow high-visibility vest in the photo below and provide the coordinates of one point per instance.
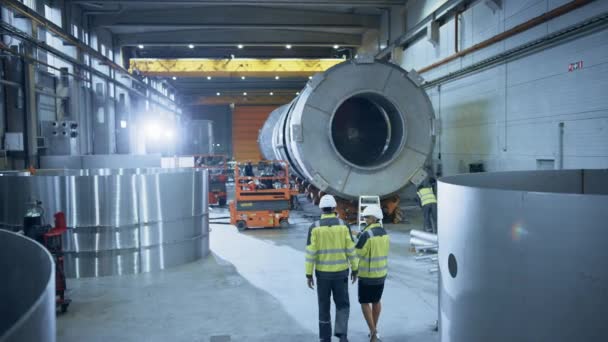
(330, 247)
(372, 249)
(427, 196)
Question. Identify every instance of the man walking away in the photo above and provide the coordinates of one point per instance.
(428, 202)
(372, 249)
(329, 251)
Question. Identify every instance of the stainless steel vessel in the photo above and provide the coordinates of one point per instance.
(523, 256)
(119, 221)
(362, 127)
(27, 290)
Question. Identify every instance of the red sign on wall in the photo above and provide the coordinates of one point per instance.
(575, 66)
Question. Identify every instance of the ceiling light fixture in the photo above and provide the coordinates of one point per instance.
(218, 93)
(209, 77)
(298, 93)
(174, 78)
(310, 77)
(288, 46)
(140, 46)
(276, 77)
(242, 77)
(240, 46)
(336, 46)
(271, 93)
(191, 46)
(245, 94)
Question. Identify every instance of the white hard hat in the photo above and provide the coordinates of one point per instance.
(327, 201)
(373, 210)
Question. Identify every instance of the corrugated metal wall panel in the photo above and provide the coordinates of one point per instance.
(508, 116)
(246, 124)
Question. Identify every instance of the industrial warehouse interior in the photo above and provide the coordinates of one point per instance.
(306, 170)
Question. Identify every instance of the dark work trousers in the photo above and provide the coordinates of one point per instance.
(339, 289)
(430, 218)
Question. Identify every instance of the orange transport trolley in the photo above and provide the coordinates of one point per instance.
(262, 195)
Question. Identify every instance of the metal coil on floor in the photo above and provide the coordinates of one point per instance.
(120, 221)
(523, 256)
(27, 290)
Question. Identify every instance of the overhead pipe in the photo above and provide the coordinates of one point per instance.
(559, 11)
(56, 30)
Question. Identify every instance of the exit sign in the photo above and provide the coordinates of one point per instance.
(575, 66)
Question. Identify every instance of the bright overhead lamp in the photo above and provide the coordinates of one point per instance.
(209, 77)
(276, 77)
(298, 93)
(336, 46)
(140, 46)
(240, 46)
(242, 77)
(310, 77)
(288, 46)
(271, 93)
(191, 46)
(174, 78)
(218, 93)
(245, 93)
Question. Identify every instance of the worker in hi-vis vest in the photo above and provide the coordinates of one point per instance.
(372, 249)
(428, 202)
(330, 250)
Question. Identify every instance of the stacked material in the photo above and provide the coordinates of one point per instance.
(120, 221)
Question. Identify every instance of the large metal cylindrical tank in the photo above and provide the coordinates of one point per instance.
(199, 139)
(120, 221)
(523, 257)
(27, 290)
(362, 127)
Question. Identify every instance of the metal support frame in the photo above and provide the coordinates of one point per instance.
(23, 10)
(250, 67)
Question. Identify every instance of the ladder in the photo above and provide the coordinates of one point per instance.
(364, 201)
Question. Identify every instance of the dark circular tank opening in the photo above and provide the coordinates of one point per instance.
(452, 265)
(367, 130)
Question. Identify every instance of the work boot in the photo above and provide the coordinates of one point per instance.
(343, 339)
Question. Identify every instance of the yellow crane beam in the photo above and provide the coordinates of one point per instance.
(237, 67)
(256, 100)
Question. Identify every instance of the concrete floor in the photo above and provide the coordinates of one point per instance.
(251, 288)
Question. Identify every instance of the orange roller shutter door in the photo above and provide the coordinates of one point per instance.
(246, 124)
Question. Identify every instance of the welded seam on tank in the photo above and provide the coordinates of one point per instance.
(134, 225)
(114, 251)
(387, 79)
(350, 169)
(415, 150)
(319, 109)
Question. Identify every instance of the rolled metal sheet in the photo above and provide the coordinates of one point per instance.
(362, 127)
(120, 221)
(27, 290)
(523, 256)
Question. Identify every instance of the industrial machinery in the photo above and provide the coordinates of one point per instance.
(262, 199)
(523, 257)
(217, 165)
(363, 127)
(35, 228)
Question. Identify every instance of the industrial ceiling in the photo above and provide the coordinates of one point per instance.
(227, 29)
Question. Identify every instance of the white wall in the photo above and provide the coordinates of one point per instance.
(508, 116)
